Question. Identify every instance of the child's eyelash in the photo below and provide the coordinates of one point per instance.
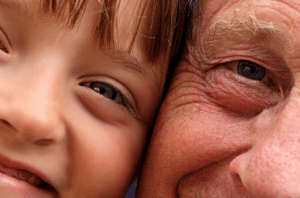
(106, 90)
(111, 93)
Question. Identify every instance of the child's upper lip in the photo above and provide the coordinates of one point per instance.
(23, 170)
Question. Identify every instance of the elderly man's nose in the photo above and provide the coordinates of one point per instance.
(271, 168)
(31, 109)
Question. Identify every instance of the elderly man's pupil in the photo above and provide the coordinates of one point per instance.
(251, 70)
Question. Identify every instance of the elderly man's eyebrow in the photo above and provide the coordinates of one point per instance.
(238, 31)
(240, 28)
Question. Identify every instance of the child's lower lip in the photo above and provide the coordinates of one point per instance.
(23, 189)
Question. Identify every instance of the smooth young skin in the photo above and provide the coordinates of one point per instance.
(53, 124)
(220, 134)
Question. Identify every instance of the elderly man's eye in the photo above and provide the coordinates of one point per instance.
(244, 87)
(251, 70)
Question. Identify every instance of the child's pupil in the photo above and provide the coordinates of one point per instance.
(104, 89)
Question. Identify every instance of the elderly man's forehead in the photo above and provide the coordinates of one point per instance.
(238, 30)
(237, 22)
(204, 10)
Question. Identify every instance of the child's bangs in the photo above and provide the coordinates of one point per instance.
(71, 9)
(157, 25)
(160, 33)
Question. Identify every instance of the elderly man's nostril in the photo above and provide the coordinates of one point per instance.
(236, 178)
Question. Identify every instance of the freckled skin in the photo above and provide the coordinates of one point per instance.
(219, 134)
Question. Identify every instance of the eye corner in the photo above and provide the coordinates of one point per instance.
(4, 49)
(132, 110)
(285, 82)
(5, 45)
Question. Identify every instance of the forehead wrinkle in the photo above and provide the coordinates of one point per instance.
(237, 30)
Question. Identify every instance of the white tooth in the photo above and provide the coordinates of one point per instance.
(22, 175)
(28, 177)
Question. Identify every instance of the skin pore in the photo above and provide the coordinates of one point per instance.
(74, 117)
(229, 126)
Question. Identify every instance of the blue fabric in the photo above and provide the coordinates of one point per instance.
(131, 190)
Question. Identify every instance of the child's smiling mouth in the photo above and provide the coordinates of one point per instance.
(23, 180)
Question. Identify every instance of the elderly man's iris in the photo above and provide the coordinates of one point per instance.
(251, 70)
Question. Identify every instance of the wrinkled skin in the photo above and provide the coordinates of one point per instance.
(221, 133)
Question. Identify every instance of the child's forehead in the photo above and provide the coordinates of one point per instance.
(150, 25)
(110, 16)
(60, 8)
(116, 37)
(121, 34)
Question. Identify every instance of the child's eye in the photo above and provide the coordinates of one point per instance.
(107, 91)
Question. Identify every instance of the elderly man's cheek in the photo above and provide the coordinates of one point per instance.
(237, 95)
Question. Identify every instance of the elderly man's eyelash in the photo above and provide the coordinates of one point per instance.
(253, 71)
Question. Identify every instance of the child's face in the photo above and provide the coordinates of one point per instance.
(73, 115)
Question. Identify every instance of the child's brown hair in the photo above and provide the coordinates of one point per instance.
(160, 39)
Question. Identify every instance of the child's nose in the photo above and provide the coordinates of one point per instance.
(32, 108)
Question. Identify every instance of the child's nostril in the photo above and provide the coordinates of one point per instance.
(6, 123)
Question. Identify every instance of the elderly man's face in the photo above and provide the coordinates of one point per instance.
(230, 125)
